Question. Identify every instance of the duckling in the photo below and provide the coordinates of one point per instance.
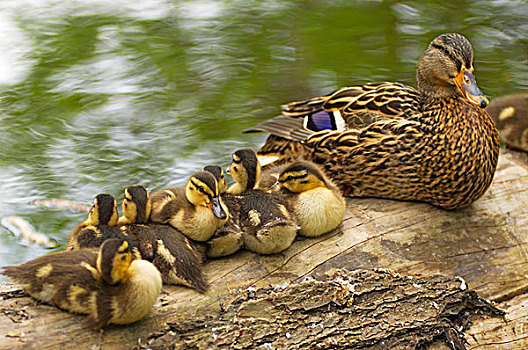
(316, 201)
(99, 226)
(247, 172)
(510, 114)
(170, 251)
(227, 239)
(196, 209)
(218, 173)
(267, 224)
(108, 284)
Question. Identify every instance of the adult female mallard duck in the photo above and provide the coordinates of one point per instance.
(168, 249)
(196, 209)
(108, 284)
(99, 226)
(435, 144)
(315, 200)
(510, 113)
(267, 224)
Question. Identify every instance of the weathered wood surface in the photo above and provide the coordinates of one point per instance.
(485, 244)
(367, 309)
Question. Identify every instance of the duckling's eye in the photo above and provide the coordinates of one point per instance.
(289, 178)
(235, 169)
(123, 257)
(466, 79)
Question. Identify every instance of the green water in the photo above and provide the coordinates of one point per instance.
(98, 95)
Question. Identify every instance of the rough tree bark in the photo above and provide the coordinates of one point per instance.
(252, 296)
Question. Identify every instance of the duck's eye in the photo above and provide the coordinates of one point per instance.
(466, 79)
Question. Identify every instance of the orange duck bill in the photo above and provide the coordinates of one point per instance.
(465, 81)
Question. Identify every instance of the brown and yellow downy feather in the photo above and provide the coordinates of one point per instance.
(108, 284)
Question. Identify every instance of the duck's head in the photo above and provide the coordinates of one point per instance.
(301, 177)
(446, 69)
(202, 190)
(218, 173)
(103, 211)
(245, 168)
(114, 259)
(136, 205)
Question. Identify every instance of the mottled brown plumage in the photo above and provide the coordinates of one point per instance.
(435, 144)
(107, 284)
(168, 249)
(510, 114)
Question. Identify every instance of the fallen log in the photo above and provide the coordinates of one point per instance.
(484, 244)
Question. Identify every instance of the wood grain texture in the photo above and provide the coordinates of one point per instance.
(486, 244)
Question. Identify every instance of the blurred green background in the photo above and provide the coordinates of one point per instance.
(97, 95)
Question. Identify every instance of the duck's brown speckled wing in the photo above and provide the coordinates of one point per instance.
(349, 108)
(386, 98)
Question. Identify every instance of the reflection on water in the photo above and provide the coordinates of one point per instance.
(99, 95)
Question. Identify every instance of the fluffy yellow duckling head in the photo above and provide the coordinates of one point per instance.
(114, 259)
(136, 205)
(202, 190)
(301, 177)
(103, 211)
(245, 170)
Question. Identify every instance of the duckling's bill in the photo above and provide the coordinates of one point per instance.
(217, 209)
